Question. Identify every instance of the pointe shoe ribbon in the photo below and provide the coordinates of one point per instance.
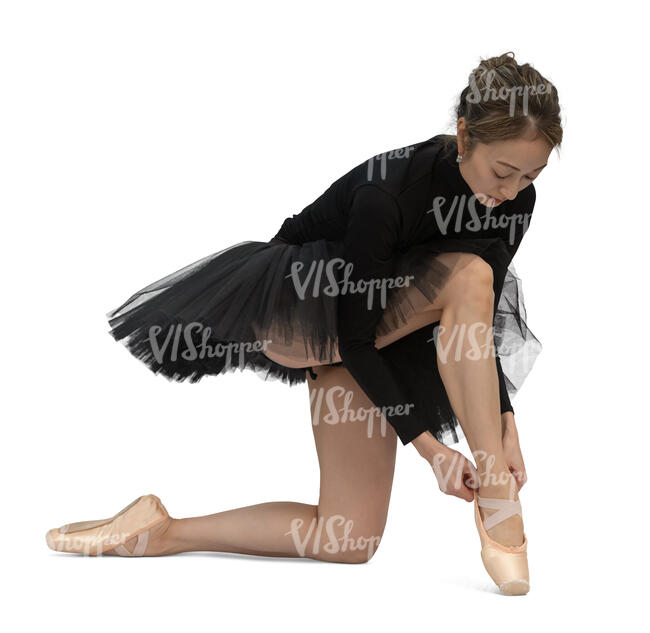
(506, 508)
(507, 565)
(93, 538)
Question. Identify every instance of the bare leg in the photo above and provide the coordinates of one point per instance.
(356, 471)
(422, 312)
(347, 524)
(471, 382)
(466, 301)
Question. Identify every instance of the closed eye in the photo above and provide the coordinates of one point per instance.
(504, 177)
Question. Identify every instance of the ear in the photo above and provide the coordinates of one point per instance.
(462, 136)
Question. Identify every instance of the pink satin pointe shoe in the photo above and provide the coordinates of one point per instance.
(506, 565)
(94, 538)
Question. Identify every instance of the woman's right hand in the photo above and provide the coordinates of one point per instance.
(455, 473)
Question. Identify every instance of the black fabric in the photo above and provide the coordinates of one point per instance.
(392, 208)
(382, 220)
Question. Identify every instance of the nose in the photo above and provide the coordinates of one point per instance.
(508, 193)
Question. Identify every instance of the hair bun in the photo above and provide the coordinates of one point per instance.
(492, 63)
(505, 100)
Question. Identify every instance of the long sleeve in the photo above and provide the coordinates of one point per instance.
(504, 397)
(369, 245)
(528, 197)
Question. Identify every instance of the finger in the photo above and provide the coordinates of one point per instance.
(465, 493)
(519, 479)
(461, 491)
(470, 475)
(467, 488)
(524, 478)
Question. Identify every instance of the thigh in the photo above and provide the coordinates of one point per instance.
(356, 452)
(420, 309)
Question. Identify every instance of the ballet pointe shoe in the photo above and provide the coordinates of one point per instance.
(506, 565)
(93, 538)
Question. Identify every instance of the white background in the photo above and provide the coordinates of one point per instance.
(137, 137)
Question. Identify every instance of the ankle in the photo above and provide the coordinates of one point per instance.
(166, 541)
(499, 483)
(508, 531)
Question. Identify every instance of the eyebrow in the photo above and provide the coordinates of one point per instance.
(517, 168)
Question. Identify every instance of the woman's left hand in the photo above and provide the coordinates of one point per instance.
(512, 450)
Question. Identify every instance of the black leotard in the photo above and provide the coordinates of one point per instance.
(380, 208)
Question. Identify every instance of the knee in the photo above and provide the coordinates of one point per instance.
(347, 541)
(353, 554)
(472, 285)
(354, 557)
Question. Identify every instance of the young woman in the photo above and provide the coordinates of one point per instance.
(391, 295)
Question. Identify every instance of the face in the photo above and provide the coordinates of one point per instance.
(499, 170)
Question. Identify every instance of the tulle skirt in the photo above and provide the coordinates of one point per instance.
(222, 312)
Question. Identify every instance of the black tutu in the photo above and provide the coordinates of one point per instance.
(219, 313)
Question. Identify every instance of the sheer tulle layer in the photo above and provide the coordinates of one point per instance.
(416, 355)
(515, 343)
(219, 313)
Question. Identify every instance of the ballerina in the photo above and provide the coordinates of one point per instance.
(392, 292)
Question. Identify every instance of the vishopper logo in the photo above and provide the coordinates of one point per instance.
(337, 401)
(383, 158)
(183, 336)
(447, 209)
(89, 547)
(467, 341)
(317, 268)
(454, 470)
(333, 543)
(476, 337)
(503, 93)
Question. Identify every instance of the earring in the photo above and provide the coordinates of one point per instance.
(459, 158)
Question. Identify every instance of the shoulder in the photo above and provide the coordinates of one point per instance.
(375, 192)
(395, 169)
(374, 219)
(371, 200)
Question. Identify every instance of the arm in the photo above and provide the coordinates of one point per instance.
(525, 208)
(506, 405)
(369, 243)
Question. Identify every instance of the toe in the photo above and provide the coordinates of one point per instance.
(50, 538)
